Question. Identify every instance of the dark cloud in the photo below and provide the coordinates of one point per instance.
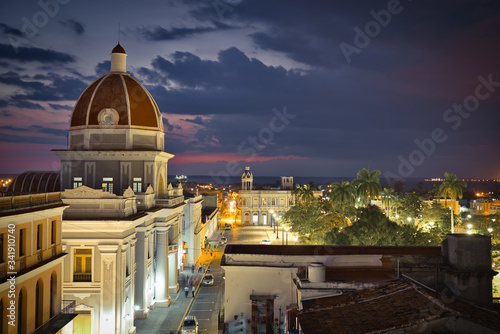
(3, 103)
(6, 113)
(77, 27)
(197, 120)
(9, 30)
(59, 87)
(103, 67)
(60, 107)
(28, 54)
(27, 105)
(169, 126)
(34, 129)
(158, 33)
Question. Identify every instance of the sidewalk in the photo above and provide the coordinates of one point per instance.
(168, 319)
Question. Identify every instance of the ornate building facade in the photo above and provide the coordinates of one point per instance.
(123, 228)
(264, 207)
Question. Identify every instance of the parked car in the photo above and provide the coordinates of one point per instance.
(266, 242)
(208, 280)
(227, 227)
(223, 240)
(190, 325)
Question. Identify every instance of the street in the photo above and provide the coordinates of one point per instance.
(208, 302)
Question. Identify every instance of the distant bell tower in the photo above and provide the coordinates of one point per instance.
(247, 179)
(286, 182)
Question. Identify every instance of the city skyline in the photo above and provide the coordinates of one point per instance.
(306, 89)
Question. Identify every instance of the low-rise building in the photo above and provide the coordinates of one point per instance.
(268, 285)
(31, 257)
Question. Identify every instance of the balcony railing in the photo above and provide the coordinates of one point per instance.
(79, 277)
(169, 202)
(68, 306)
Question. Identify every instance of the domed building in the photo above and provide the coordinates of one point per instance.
(116, 136)
(123, 228)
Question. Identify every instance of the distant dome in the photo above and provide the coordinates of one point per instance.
(116, 100)
(35, 182)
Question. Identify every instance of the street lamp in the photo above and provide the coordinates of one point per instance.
(490, 230)
(286, 229)
(295, 238)
(282, 234)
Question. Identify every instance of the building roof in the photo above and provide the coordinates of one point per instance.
(118, 49)
(310, 250)
(35, 182)
(396, 304)
(116, 100)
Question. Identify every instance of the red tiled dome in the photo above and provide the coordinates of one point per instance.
(132, 102)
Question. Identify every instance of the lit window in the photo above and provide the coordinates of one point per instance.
(77, 182)
(83, 265)
(264, 201)
(107, 184)
(137, 184)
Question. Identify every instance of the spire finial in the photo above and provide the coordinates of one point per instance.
(118, 32)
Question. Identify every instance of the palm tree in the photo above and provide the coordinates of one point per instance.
(451, 188)
(343, 192)
(388, 197)
(303, 193)
(367, 185)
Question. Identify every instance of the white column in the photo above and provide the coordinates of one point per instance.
(172, 272)
(161, 281)
(108, 312)
(141, 261)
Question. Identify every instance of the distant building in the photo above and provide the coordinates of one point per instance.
(270, 285)
(264, 207)
(485, 206)
(31, 257)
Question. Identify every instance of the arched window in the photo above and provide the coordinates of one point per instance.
(39, 303)
(53, 294)
(22, 306)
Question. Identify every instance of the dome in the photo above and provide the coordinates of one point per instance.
(119, 101)
(35, 182)
(118, 49)
(116, 112)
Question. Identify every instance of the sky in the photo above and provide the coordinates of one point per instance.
(288, 87)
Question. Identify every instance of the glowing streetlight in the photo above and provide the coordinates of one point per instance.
(282, 234)
(490, 230)
(409, 219)
(469, 232)
(469, 226)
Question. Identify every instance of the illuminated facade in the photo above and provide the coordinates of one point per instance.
(123, 228)
(264, 207)
(31, 251)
